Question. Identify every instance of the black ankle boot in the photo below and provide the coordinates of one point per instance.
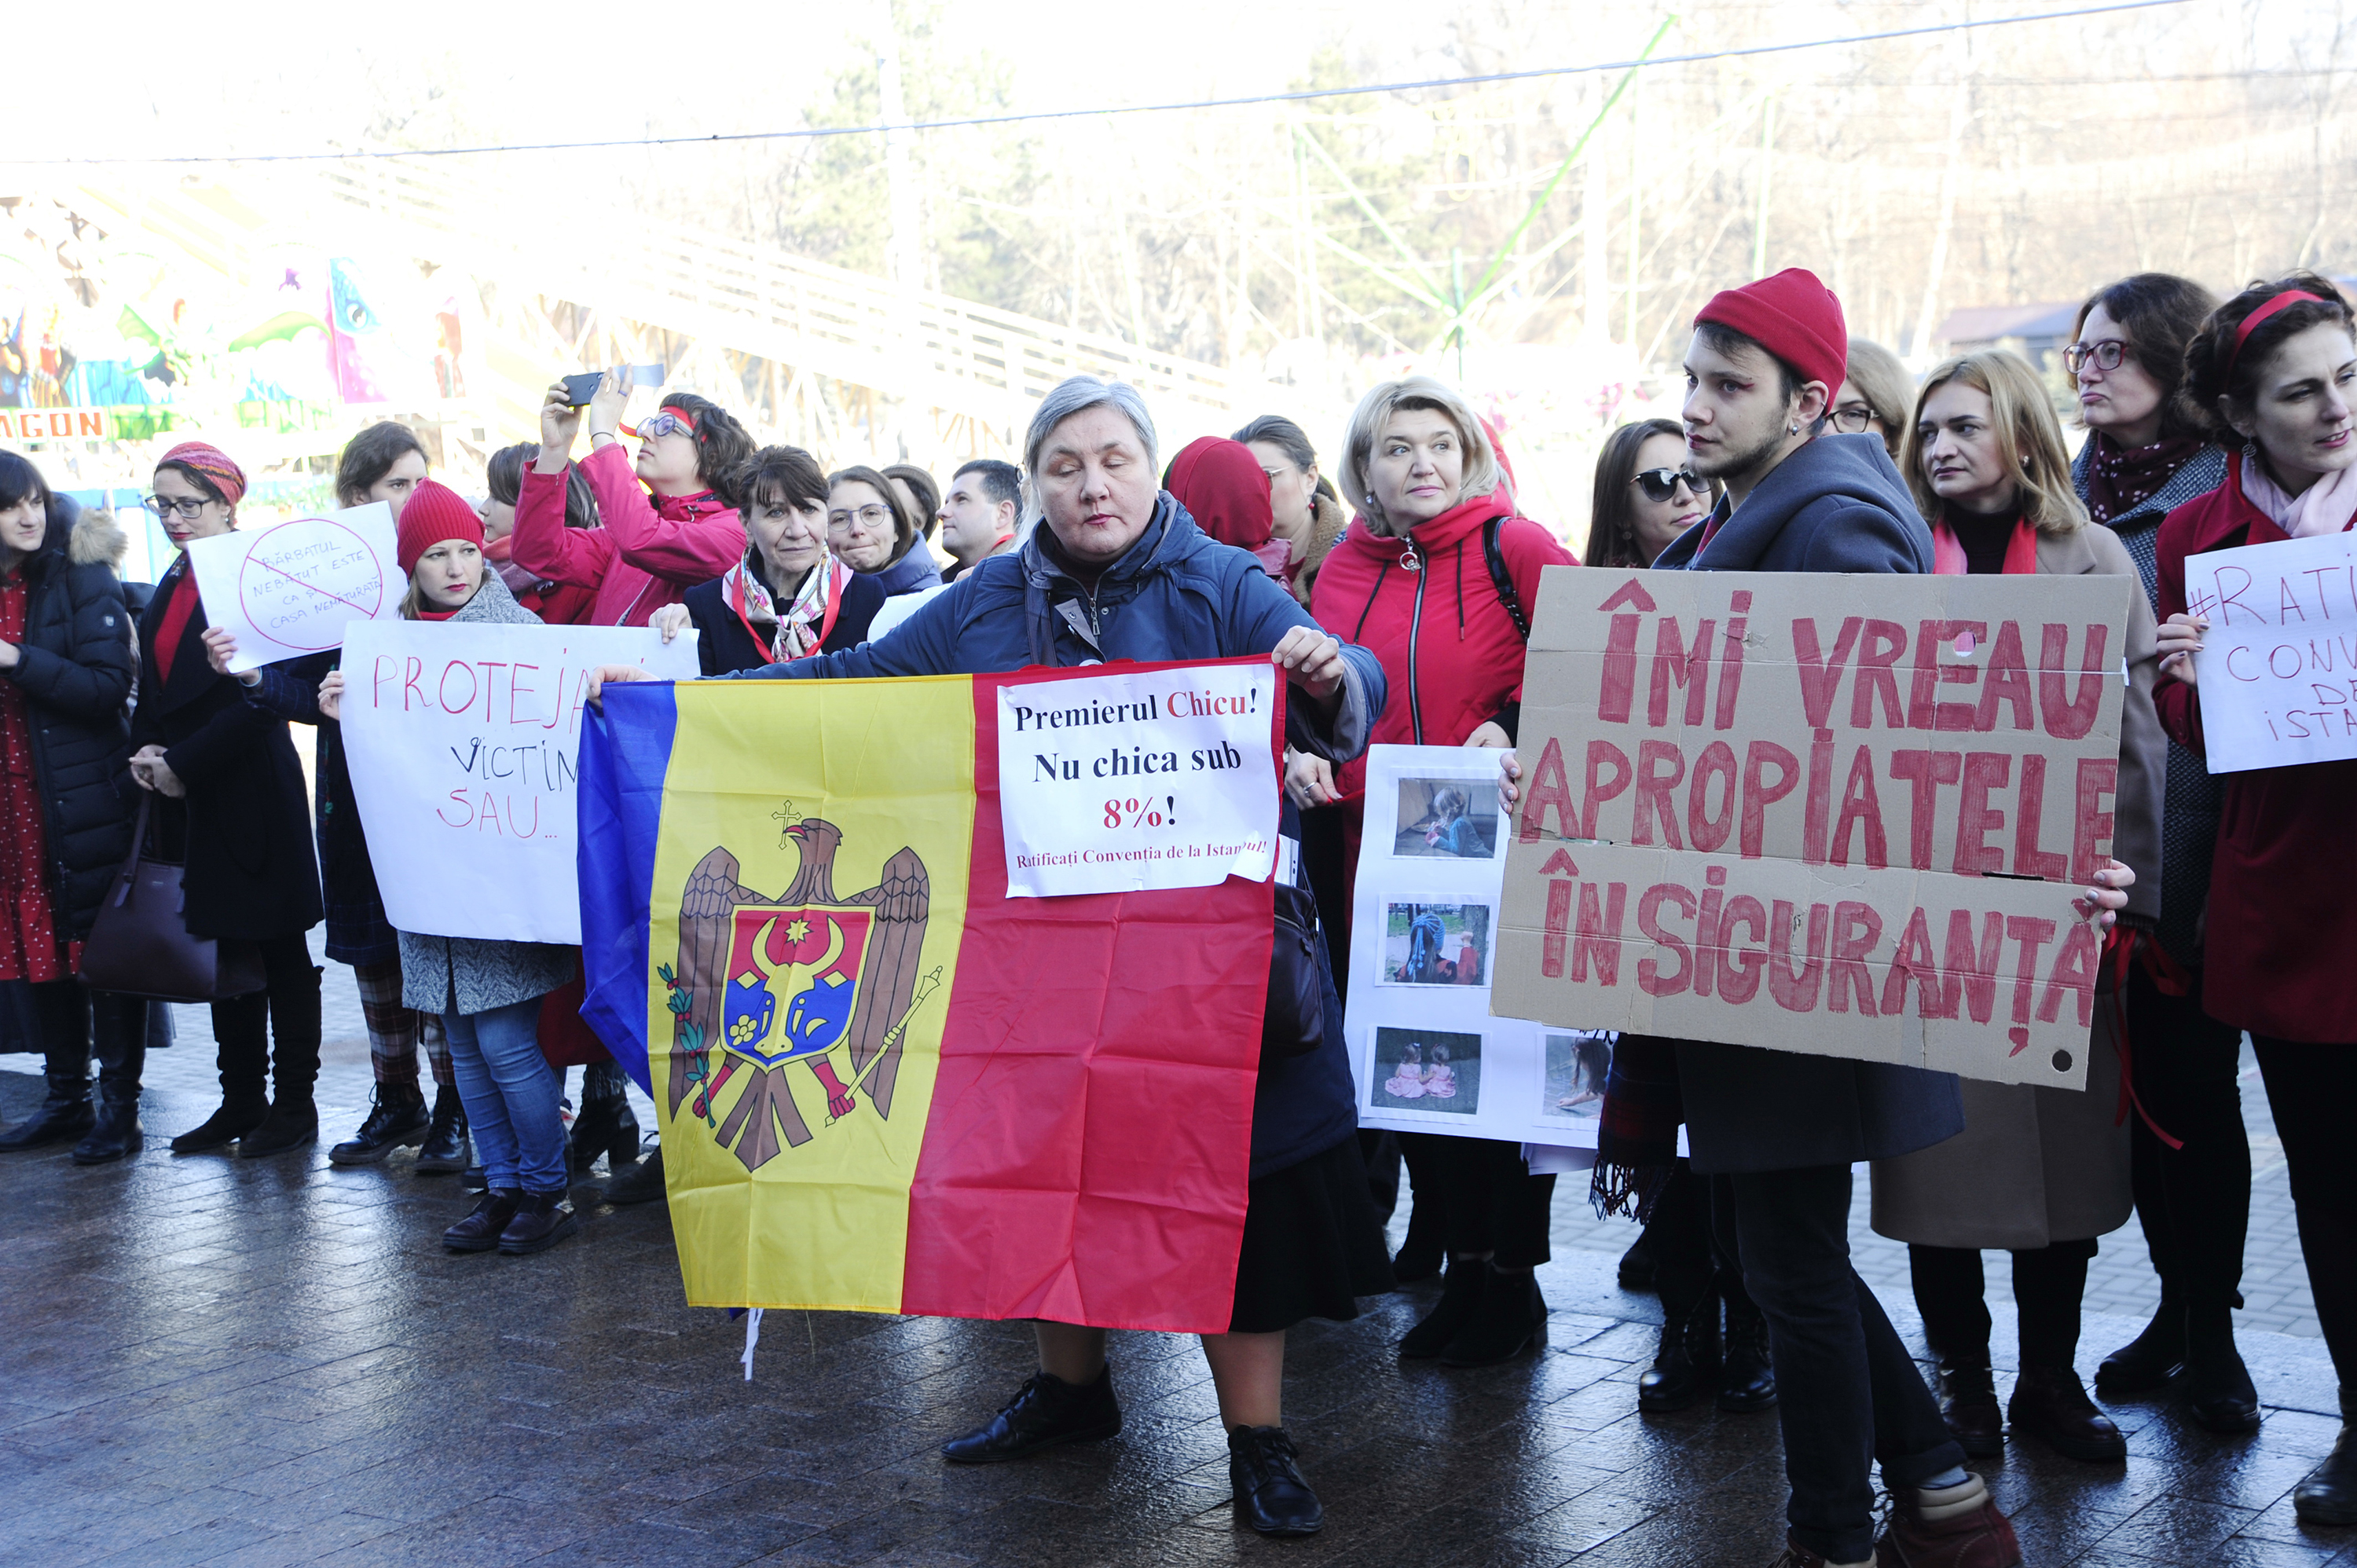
(606, 1126)
(116, 1132)
(291, 1124)
(2329, 1496)
(2146, 1363)
(1045, 1412)
(1461, 1295)
(225, 1126)
(2218, 1386)
(480, 1231)
(446, 1147)
(1511, 1319)
(396, 1119)
(1637, 1264)
(1420, 1255)
(1270, 1494)
(1687, 1362)
(1747, 1372)
(642, 1183)
(64, 1114)
(1968, 1404)
(2049, 1404)
(541, 1219)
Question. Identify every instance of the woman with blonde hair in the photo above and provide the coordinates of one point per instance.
(1436, 576)
(2039, 1172)
(1875, 397)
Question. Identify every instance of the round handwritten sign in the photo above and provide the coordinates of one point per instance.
(304, 580)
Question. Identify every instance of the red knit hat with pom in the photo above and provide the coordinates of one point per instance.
(434, 512)
(1792, 316)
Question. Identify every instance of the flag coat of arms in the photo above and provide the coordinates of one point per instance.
(883, 1084)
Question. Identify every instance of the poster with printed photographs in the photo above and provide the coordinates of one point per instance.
(1429, 1057)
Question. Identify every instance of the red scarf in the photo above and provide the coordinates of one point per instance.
(2020, 551)
(177, 611)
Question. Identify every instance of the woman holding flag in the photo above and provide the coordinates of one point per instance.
(1120, 571)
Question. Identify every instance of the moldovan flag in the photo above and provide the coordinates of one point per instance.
(884, 1084)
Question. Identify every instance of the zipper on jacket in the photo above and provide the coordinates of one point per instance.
(1414, 625)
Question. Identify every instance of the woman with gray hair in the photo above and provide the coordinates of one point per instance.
(1438, 576)
(1120, 571)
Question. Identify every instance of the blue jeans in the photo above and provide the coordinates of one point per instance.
(510, 1096)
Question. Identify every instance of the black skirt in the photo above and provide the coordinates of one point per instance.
(1312, 1244)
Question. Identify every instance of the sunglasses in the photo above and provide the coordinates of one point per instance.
(663, 424)
(1660, 484)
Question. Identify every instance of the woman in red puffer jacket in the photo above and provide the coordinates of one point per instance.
(1437, 577)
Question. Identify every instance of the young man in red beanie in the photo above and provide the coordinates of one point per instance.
(1782, 1130)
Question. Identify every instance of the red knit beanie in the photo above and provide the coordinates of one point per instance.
(1795, 317)
(434, 512)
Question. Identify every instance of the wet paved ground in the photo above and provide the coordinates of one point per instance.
(247, 1362)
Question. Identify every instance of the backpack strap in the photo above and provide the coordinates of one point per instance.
(1501, 579)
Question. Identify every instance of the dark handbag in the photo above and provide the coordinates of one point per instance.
(140, 944)
(1294, 1022)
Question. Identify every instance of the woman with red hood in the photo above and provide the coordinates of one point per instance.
(1225, 490)
(1436, 576)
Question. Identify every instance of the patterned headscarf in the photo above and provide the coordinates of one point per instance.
(211, 462)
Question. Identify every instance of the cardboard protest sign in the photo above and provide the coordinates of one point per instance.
(462, 741)
(1844, 816)
(292, 588)
(1426, 1055)
(2279, 665)
(1118, 782)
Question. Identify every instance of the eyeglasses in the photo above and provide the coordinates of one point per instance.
(1854, 419)
(2106, 354)
(189, 507)
(663, 424)
(868, 516)
(1660, 484)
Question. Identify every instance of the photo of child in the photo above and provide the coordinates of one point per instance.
(1436, 944)
(1577, 1068)
(1427, 1069)
(1454, 817)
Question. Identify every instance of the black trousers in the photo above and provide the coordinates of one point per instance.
(2311, 1089)
(286, 1009)
(2049, 1283)
(2194, 1202)
(1849, 1395)
(78, 1024)
(1489, 1201)
(1693, 1238)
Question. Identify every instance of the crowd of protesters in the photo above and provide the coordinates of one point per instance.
(1398, 604)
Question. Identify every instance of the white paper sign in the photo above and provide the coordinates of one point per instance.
(2279, 665)
(463, 742)
(1149, 778)
(1425, 1053)
(291, 588)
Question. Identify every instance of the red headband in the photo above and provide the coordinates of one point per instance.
(2281, 302)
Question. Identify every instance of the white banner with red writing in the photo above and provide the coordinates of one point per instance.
(2278, 664)
(1848, 816)
(289, 589)
(462, 742)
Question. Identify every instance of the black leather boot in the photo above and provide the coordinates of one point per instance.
(1747, 1372)
(292, 1124)
(1686, 1364)
(541, 1219)
(396, 1119)
(1968, 1404)
(1460, 1295)
(606, 1126)
(1046, 1412)
(447, 1147)
(225, 1126)
(2329, 1496)
(1270, 1494)
(1637, 1264)
(480, 1231)
(2049, 1404)
(2218, 1385)
(2146, 1363)
(642, 1183)
(1511, 1319)
(116, 1132)
(65, 1114)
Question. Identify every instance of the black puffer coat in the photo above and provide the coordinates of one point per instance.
(74, 668)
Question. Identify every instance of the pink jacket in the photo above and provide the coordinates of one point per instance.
(648, 552)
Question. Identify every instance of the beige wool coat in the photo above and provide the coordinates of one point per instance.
(2033, 1165)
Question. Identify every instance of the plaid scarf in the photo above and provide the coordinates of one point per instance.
(803, 627)
(1637, 1137)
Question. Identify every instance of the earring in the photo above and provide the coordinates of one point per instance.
(1791, 430)
(2250, 449)
(1370, 498)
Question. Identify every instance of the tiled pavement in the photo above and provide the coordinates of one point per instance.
(246, 1362)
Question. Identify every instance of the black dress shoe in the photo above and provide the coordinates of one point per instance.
(480, 1231)
(1686, 1364)
(642, 1183)
(116, 1133)
(292, 1124)
(1270, 1494)
(395, 1119)
(541, 1219)
(473, 1179)
(1746, 1373)
(446, 1147)
(1511, 1319)
(225, 1126)
(2146, 1363)
(2049, 1404)
(1637, 1266)
(1968, 1404)
(59, 1119)
(1045, 1412)
(606, 1126)
(2329, 1496)
(2218, 1387)
(1461, 1296)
